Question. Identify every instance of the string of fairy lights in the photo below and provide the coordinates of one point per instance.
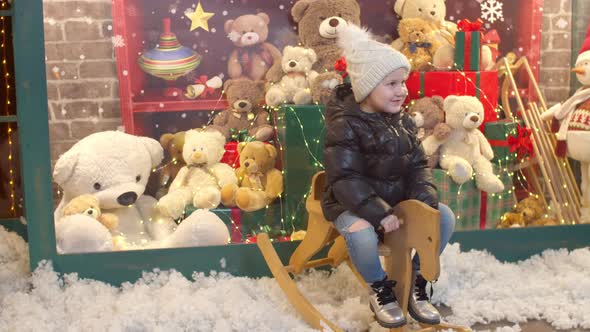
(7, 107)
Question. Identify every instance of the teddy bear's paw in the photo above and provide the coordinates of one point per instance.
(264, 134)
(489, 183)
(461, 172)
(243, 199)
(275, 97)
(228, 195)
(171, 207)
(302, 97)
(79, 234)
(207, 198)
(330, 84)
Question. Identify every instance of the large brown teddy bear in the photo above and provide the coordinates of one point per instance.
(259, 182)
(318, 24)
(429, 116)
(420, 45)
(253, 58)
(244, 112)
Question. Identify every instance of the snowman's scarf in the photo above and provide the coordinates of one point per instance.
(566, 111)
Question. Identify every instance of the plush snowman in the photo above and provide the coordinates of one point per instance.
(573, 120)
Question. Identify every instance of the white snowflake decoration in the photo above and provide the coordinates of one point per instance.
(491, 11)
(118, 41)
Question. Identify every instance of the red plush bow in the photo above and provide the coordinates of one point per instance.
(522, 143)
(468, 26)
(208, 90)
(341, 66)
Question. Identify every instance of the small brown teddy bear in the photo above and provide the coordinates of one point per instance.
(244, 112)
(511, 220)
(318, 24)
(89, 205)
(420, 45)
(429, 116)
(254, 57)
(260, 183)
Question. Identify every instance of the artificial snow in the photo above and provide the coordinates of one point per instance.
(553, 286)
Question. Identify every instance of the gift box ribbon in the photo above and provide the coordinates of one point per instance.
(240, 135)
(521, 143)
(467, 26)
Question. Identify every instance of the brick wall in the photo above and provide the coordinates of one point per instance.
(556, 50)
(81, 74)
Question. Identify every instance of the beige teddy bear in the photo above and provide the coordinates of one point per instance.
(294, 87)
(420, 45)
(201, 180)
(260, 183)
(466, 149)
(88, 205)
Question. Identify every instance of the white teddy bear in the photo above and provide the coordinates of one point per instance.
(466, 149)
(199, 182)
(295, 85)
(114, 167)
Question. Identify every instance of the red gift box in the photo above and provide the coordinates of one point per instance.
(483, 85)
(492, 40)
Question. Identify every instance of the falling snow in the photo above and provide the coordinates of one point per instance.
(491, 11)
(118, 41)
(562, 23)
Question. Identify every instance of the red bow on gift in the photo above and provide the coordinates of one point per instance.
(208, 90)
(468, 26)
(341, 66)
(522, 143)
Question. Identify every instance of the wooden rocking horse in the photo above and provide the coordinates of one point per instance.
(420, 231)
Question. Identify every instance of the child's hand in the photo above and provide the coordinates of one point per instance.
(390, 223)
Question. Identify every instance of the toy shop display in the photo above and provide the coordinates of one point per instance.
(235, 92)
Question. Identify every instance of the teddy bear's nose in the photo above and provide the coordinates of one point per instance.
(127, 198)
(292, 64)
(474, 118)
(432, 13)
(242, 104)
(334, 23)
(247, 164)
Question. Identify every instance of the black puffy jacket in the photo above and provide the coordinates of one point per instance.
(373, 161)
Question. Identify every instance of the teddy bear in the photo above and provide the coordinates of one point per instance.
(466, 149)
(88, 205)
(113, 167)
(173, 162)
(433, 11)
(319, 22)
(429, 116)
(294, 87)
(253, 57)
(511, 220)
(260, 183)
(199, 182)
(420, 44)
(244, 97)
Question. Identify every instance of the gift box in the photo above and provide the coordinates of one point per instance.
(300, 135)
(492, 40)
(483, 85)
(510, 141)
(464, 200)
(468, 42)
(473, 208)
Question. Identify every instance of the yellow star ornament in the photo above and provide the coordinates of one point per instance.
(199, 18)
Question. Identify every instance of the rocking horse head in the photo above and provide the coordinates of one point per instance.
(420, 231)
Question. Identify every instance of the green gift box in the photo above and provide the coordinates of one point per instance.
(497, 133)
(464, 200)
(300, 135)
(468, 50)
(473, 208)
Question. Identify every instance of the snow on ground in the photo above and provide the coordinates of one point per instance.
(554, 286)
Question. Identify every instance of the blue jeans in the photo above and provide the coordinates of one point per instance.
(362, 245)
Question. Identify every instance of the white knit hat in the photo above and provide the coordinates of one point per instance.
(368, 61)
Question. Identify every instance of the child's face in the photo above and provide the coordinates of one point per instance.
(390, 94)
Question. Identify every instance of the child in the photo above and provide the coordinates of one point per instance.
(374, 161)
